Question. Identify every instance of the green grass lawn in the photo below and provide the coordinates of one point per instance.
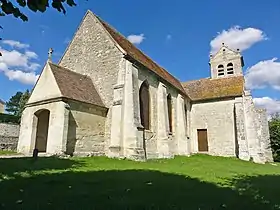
(6, 152)
(196, 182)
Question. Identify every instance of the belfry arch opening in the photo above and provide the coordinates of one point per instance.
(230, 69)
(221, 70)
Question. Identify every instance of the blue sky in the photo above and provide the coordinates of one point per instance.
(178, 35)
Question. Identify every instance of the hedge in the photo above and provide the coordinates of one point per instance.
(7, 118)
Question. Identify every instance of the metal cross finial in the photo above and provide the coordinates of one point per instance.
(50, 54)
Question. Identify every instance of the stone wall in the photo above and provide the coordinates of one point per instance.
(151, 135)
(102, 61)
(158, 118)
(128, 137)
(241, 140)
(58, 125)
(263, 134)
(46, 87)
(218, 118)
(252, 128)
(2, 107)
(86, 130)
(223, 57)
(9, 134)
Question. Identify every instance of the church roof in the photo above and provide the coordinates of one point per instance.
(139, 56)
(75, 86)
(206, 89)
(2, 102)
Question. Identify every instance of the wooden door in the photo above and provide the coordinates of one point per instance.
(202, 140)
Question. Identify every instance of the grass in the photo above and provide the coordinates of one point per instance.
(197, 182)
(7, 152)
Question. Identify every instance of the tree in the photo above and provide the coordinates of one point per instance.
(12, 106)
(274, 130)
(23, 100)
(9, 8)
(17, 102)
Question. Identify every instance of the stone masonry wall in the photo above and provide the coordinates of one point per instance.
(223, 57)
(263, 134)
(151, 137)
(86, 130)
(58, 124)
(2, 108)
(93, 52)
(151, 140)
(252, 127)
(241, 141)
(218, 118)
(9, 134)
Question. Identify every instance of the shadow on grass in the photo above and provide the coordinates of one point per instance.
(265, 189)
(9, 166)
(128, 189)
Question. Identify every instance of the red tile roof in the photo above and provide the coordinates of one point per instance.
(75, 86)
(139, 56)
(205, 89)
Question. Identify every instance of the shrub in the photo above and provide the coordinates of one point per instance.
(7, 118)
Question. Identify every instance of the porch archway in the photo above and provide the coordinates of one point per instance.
(42, 129)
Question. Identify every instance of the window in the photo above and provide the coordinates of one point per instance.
(230, 69)
(144, 96)
(221, 70)
(169, 108)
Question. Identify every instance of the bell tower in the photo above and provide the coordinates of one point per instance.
(226, 63)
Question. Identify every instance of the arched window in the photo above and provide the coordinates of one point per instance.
(169, 108)
(144, 96)
(221, 70)
(230, 68)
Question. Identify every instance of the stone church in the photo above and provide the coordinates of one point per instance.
(106, 97)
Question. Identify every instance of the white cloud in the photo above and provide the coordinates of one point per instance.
(272, 106)
(16, 58)
(15, 44)
(168, 37)
(136, 39)
(237, 38)
(263, 74)
(19, 64)
(28, 78)
(31, 54)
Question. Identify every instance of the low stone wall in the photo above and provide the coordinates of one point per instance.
(9, 134)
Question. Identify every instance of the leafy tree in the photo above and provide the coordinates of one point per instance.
(23, 100)
(9, 8)
(12, 106)
(274, 130)
(17, 102)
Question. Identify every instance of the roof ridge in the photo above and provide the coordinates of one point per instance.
(73, 72)
(215, 88)
(77, 85)
(108, 27)
(116, 31)
(196, 80)
(209, 78)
